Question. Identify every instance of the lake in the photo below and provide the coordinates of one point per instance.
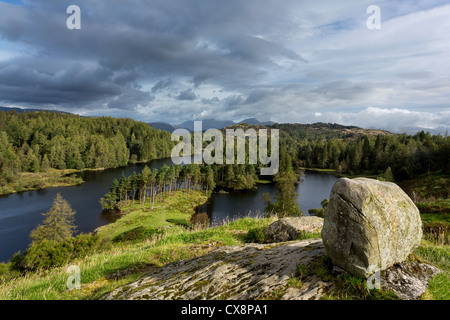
(312, 189)
(20, 213)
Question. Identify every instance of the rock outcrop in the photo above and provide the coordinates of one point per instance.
(287, 229)
(370, 229)
(409, 279)
(370, 225)
(257, 271)
(252, 271)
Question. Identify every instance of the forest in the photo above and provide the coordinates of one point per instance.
(40, 141)
(406, 156)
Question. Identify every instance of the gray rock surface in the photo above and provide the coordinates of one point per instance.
(256, 271)
(287, 229)
(409, 279)
(370, 225)
(236, 272)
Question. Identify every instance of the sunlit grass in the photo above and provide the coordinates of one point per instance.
(98, 269)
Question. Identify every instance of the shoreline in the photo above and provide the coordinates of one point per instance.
(54, 178)
(136, 215)
(29, 181)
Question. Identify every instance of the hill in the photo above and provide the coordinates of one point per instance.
(220, 124)
(319, 130)
(19, 110)
(164, 126)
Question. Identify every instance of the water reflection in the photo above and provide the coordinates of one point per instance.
(20, 213)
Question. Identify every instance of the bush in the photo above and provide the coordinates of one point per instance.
(3, 268)
(6, 272)
(35, 184)
(200, 220)
(255, 235)
(438, 206)
(437, 232)
(49, 253)
(317, 212)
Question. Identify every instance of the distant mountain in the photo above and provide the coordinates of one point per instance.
(163, 126)
(220, 124)
(18, 110)
(207, 124)
(256, 122)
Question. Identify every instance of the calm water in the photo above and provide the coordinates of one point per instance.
(20, 213)
(312, 189)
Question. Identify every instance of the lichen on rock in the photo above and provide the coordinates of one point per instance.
(370, 225)
(246, 272)
(291, 228)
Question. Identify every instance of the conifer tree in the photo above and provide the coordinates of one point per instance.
(58, 224)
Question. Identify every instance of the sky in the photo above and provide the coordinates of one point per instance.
(286, 61)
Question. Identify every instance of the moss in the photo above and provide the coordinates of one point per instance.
(200, 284)
(295, 283)
(346, 286)
(273, 295)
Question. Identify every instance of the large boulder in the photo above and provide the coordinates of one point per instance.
(291, 228)
(370, 225)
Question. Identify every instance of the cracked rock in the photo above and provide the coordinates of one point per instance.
(370, 225)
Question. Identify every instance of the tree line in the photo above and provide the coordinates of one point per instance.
(405, 156)
(151, 186)
(39, 141)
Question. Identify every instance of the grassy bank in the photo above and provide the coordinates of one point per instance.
(145, 238)
(28, 181)
(428, 187)
(171, 215)
(435, 246)
(125, 257)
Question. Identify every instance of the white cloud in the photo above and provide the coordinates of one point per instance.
(289, 61)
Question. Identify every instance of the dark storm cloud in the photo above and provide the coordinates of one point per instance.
(135, 42)
(186, 95)
(131, 99)
(71, 85)
(161, 84)
(286, 60)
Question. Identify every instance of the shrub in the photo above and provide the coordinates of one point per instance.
(49, 253)
(319, 212)
(255, 235)
(200, 220)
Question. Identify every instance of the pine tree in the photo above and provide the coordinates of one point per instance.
(58, 224)
(388, 176)
(285, 204)
(45, 164)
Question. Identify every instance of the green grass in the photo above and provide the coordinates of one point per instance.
(27, 181)
(172, 215)
(99, 270)
(439, 286)
(428, 187)
(346, 286)
(143, 241)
